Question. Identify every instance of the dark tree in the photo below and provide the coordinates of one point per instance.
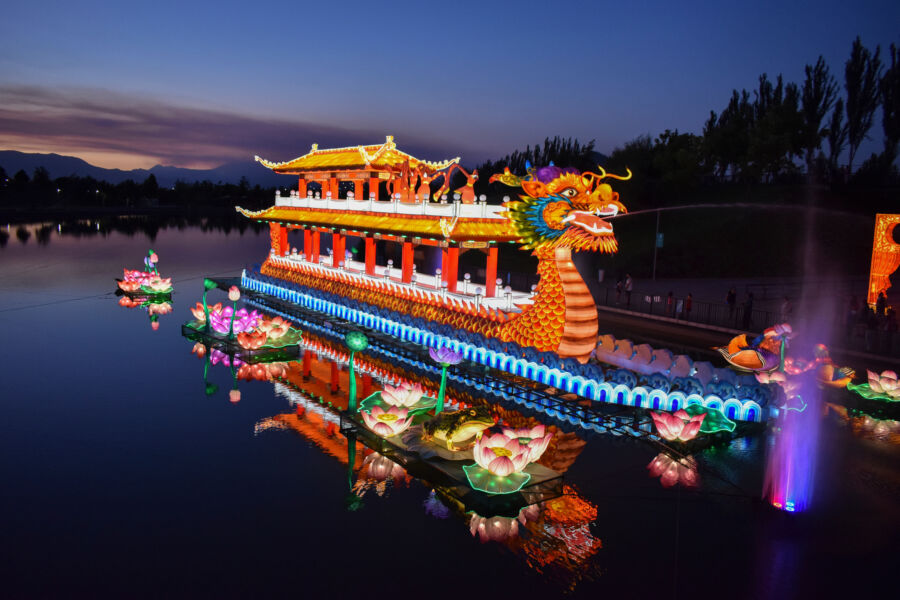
(774, 130)
(837, 136)
(819, 92)
(890, 106)
(861, 74)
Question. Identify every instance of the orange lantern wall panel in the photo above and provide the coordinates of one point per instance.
(885, 256)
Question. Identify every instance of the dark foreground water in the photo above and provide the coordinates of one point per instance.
(121, 478)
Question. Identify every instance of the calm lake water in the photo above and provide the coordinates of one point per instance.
(122, 478)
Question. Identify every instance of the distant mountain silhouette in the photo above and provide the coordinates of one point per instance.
(62, 166)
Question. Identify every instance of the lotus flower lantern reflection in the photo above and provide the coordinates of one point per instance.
(678, 426)
(387, 423)
(672, 471)
(501, 529)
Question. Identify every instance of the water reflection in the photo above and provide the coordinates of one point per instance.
(553, 536)
(129, 225)
(673, 470)
(154, 307)
(866, 426)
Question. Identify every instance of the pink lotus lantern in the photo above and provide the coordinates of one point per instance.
(129, 285)
(134, 275)
(200, 314)
(234, 396)
(243, 320)
(679, 426)
(404, 396)
(275, 328)
(387, 423)
(885, 384)
(533, 438)
(501, 454)
(252, 340)
(158, 285)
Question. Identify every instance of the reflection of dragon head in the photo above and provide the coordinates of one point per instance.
(564, 208)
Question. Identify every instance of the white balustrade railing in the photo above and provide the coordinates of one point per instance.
(424, 286)
(477, 210)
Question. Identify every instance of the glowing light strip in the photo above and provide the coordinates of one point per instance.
(591, 389)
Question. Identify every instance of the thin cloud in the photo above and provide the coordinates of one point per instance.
(135, 130)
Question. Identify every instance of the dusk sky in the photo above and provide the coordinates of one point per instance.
(197, 84)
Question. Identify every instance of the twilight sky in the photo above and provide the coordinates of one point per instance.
(196, 84)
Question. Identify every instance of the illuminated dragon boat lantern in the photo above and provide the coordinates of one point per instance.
(561, 211)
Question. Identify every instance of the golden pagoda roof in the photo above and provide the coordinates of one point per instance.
(423, 226)
(377, 157)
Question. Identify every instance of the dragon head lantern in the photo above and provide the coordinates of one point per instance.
(564, 208)
(561, 211)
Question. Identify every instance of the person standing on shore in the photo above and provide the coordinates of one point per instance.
(731, 300)
(618, 291)
(748, 311)
(688, 304)
(787, 310)
(670, 305)
(629, 286)
(880, 304)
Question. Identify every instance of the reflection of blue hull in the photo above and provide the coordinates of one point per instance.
(554, 376)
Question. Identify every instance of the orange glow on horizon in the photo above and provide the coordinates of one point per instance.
(105, 159)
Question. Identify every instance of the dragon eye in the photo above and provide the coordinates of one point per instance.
(569, 192)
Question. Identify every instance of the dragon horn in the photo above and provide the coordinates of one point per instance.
(604, 175)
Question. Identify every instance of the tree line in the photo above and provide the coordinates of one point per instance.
(777, 133)
(39, 191)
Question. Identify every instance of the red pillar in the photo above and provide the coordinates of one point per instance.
(307, 363)
(490, 283)
(373, 187)
(334, 378)
(406, 271)
(279, 239)
(370, 256)
(333, 186)
(444, 260)
(315, 247)
(307, 243)
(358, 189)
(338, 249)
(452, 268)
(301, 188)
